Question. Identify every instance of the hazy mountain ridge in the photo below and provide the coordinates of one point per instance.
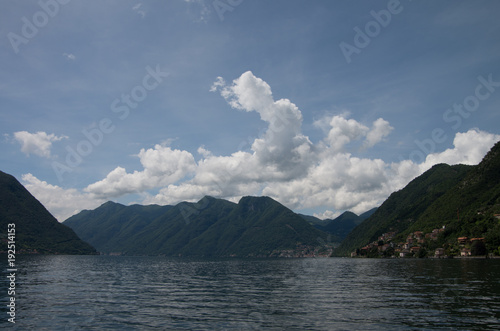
(36, 230)
(256, 226)
(341, 226)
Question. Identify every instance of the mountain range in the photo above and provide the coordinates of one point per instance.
(255, 226)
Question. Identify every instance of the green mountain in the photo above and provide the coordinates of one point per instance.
(463, 199)
(256, 226)
(403, 207)
(36, 230)
(469, 208)
(116, 223)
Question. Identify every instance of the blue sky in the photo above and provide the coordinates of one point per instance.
(325, 106)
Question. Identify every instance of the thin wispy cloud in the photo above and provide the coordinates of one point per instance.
(139, 9)
(201, 8)
(69, 56)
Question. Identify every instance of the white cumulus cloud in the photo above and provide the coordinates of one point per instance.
(343, 131)
(38, 143)
(469, 148)
(162, 166)
(381, 129)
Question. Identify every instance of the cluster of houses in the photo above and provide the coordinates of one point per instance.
(305, 251)
(299, 251)
(414, 245)
(465, 244)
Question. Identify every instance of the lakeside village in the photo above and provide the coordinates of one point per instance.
(421, 245)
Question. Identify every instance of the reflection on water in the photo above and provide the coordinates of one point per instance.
(99, 292)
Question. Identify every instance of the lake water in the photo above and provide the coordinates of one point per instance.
(140, 293)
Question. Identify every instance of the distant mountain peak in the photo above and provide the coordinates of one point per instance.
(111, 204)
(207, 198)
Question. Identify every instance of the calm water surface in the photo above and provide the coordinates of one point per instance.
(140, 293)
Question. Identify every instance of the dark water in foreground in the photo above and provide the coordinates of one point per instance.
(127, 293)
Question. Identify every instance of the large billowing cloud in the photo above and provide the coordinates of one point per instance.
(286, 165)
(381, 129)
(283, 163)
(341, 131)
(469, 148)
(162, 166)
(283, 151)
